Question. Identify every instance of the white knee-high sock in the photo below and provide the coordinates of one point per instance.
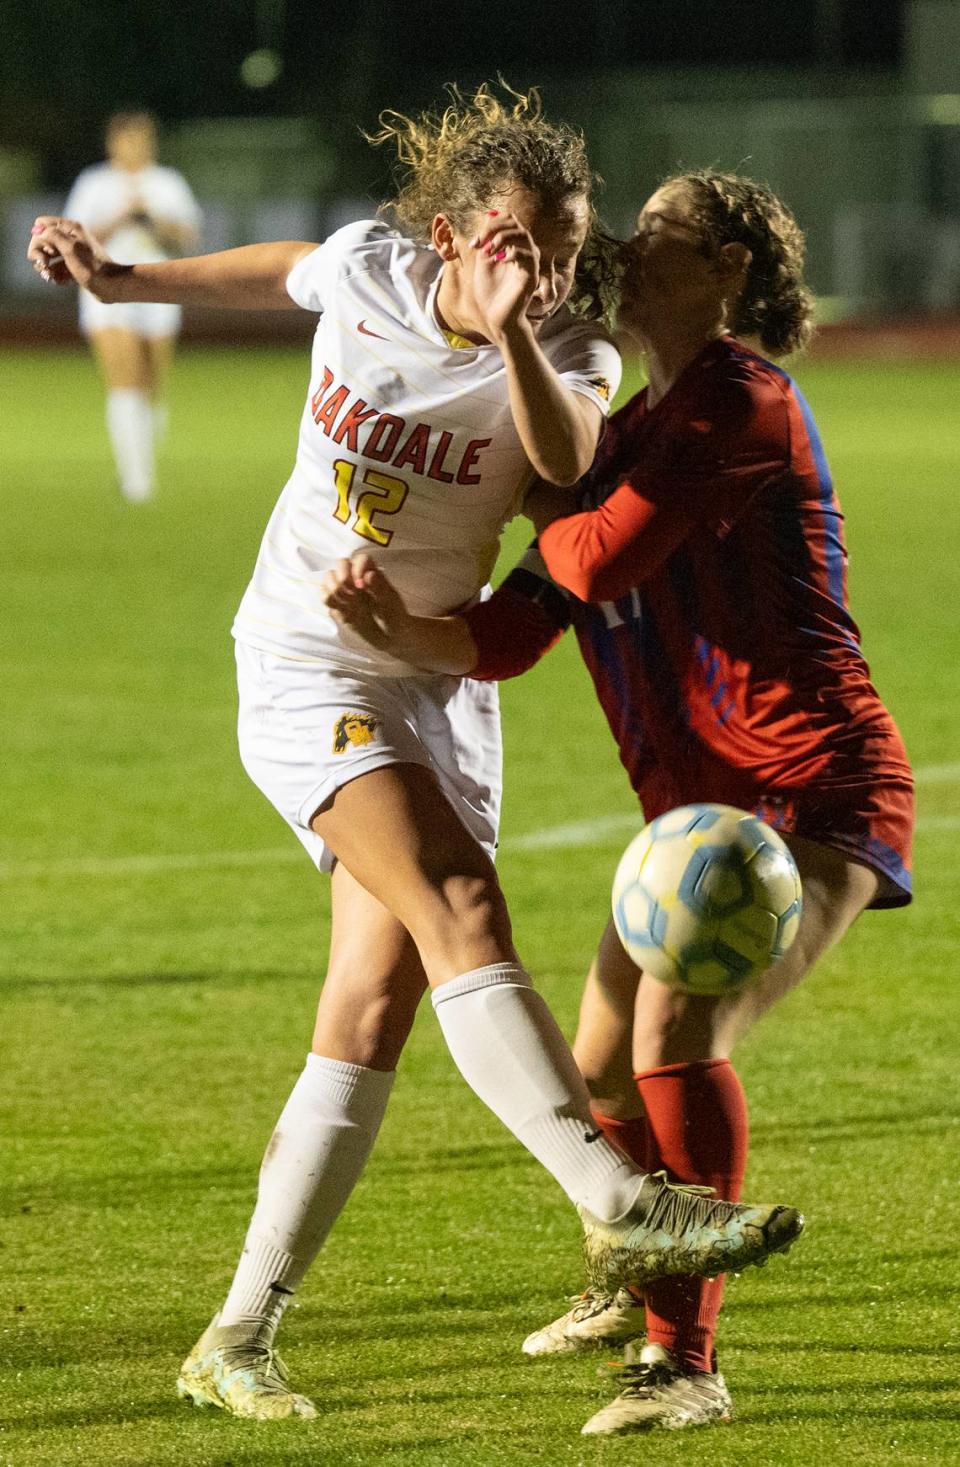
(507, 1046)
(130, 425)
(312, 1164)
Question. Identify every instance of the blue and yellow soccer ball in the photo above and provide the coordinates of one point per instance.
(706, 897)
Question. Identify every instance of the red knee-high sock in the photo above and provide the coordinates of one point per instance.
(632, 1136)
(699, 1132)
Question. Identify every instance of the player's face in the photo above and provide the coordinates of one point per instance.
(557, 231)
(132, 147)
(668, 274)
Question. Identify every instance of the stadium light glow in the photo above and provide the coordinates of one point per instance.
(261, 68)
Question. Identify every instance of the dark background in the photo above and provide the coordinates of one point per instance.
(62, 71)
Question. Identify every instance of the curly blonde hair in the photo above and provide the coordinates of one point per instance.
(454, 162)
(776, 304)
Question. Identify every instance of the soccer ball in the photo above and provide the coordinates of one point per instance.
(705, 898)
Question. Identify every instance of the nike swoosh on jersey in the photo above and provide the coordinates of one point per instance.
(364, 330)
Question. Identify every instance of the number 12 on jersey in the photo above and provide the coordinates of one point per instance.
(385, 496)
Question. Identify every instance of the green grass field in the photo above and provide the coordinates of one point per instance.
(164, 937)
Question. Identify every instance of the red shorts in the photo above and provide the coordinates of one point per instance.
(870, 822)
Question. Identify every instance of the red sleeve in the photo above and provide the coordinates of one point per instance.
(600, 554)
(512, 632)
(703, 464)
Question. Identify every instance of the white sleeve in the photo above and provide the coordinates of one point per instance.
(311, 278)
(587, 362)
(314, 278)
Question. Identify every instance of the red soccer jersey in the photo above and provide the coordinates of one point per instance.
(708, 581)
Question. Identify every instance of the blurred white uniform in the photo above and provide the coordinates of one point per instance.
(102, 195)
(407, 450)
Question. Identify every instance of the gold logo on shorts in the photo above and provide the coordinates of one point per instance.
(353, 728)
(600, 385)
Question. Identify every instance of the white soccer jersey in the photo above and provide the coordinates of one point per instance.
(102, 195)
(407, 447)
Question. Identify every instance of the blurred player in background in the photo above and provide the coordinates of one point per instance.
(705, 577)
(142, 212)
(447, 369)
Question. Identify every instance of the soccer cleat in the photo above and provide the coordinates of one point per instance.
(596, 1320)
(656, 1395)
(240, 1372)
(673, 1229)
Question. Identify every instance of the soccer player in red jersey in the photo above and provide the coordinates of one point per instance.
(705, 577)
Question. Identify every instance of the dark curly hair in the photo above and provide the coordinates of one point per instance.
(727, 208)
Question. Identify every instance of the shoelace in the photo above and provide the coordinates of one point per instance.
(591, 1301)
(679, 1206)
(275, 1375)
(693, 1188)
(643, 1379)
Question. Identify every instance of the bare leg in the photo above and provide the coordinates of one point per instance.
(396, 833)
(123, 359)
(159, 350)
(374, 982)
(604, 1042)
(399, 838)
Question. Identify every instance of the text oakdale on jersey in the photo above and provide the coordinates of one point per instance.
(385, 432)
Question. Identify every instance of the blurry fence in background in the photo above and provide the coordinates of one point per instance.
(874, 180)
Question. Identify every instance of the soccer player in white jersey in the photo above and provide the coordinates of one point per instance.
(447, 369)
(142, 212)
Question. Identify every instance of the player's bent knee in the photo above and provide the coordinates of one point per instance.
(676, 1028)
(366, 1028)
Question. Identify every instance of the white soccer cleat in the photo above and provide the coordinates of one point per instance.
(656, 1395)
(241, 1373)
(596, 1320)
(683, 1230)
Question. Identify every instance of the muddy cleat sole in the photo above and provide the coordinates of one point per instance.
(596, 1321)
(241, 1373)
(683, 1230)
(656, 1396)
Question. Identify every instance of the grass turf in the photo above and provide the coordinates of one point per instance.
(163, 940)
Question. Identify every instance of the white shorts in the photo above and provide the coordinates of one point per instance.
(141, 317)
(306, 728)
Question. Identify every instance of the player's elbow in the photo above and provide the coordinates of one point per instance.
(563, 470)
(564, 463)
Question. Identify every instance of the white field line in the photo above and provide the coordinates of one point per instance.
(147, 865)
(937, 774)
(581, 833)
(554, 837)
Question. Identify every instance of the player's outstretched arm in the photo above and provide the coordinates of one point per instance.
(362, 598)
(250, 278)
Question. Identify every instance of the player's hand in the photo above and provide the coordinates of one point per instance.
(506, 274)
(61, 250)
(362, 598)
